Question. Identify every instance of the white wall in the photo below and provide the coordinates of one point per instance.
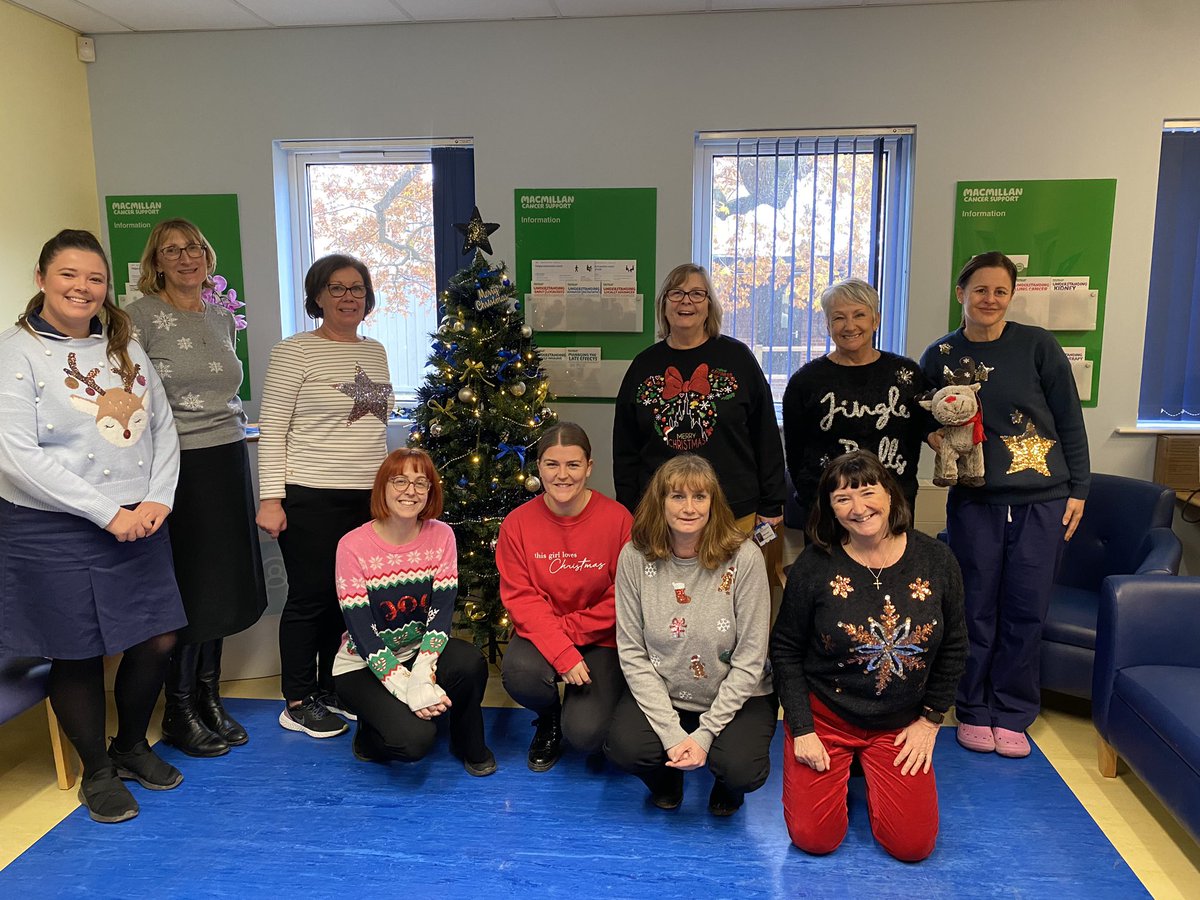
(1021, 90)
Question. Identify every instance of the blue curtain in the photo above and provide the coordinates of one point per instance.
(453, 200)
(1171, 364)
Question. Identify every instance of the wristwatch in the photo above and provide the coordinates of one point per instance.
(932, 715)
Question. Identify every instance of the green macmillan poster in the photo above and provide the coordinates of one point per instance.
(130, 220)
(1059, 233)
(586, 277)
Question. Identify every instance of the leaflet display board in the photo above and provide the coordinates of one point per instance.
(1059, 234)
(586, 275)
(130, 221)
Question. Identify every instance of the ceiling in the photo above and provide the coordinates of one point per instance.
(124, 16)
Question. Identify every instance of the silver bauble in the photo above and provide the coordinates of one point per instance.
(517, 388)
(457, 325)
(435, 428)
(526, 331)
(533, 484)
(466, 395)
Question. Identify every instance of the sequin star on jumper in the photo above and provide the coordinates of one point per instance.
(370, 397)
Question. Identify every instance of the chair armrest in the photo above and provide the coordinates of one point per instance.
(1160, 553)
(1143, 620)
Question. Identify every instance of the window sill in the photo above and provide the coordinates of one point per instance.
(1159, 428)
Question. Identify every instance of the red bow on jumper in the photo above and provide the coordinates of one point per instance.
(976, 421)
(697, 384)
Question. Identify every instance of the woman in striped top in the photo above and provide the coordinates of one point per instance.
(325, 407)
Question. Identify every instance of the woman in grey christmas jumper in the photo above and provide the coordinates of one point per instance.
(693, 611)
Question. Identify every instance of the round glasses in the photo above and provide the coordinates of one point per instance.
(338, 291)
(193, 250)
(699, 295)
(402, 483)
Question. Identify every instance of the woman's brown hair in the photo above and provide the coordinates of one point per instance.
(855, 469)
(651, 535)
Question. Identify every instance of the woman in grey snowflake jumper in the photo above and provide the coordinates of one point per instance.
(214, 541)
(693, 612)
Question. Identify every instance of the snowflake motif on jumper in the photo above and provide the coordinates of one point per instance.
(432, 554)
(414, 556)
(374, 629)
(684, 409)
(375, 562)
(650, 570)
(944, 348)
(723, 625)
(655, 660)
(841, 586)
(681, 594)
(697, 666)
(341, 583)
(431, 615)
(678, 627)
(888, 647)
(184, 343)
(685, 695)
(827, 643)
(191, 402)
(227, 344)
(920, 590)
(904, 376)
(215, 367)
(165, 321)
(163, 368)
(726, 584)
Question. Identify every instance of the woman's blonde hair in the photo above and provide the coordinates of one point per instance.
(117, 327)
(676, 277)
(651, 535)
(151, 279)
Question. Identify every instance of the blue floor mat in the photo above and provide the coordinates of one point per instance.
(289, 816)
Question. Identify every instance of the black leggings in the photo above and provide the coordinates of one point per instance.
(389, 727)
(76, 690)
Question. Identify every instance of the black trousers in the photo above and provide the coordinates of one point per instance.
(311, 625)
(587, 709)
(740, 756)
(390, 727)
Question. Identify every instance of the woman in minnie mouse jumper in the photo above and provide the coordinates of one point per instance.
(1008, 534)
(698, 391)
(88, 463)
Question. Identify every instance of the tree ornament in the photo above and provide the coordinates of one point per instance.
(517, 388)
(533, 484)
(475, 612)
(457, 326)
(436, 429)
(476, 232)
(466, 395)
(526, 332)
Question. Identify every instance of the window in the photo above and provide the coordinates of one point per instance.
(374, 200)
(1170, 390)
(781, 216)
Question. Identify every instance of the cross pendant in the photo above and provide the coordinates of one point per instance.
(878, 585)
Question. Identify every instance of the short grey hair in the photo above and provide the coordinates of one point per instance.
(850, 290)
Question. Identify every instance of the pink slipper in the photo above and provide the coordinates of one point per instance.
(1013, 744)
(976, 737)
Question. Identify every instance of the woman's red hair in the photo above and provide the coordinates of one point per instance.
(394, 465)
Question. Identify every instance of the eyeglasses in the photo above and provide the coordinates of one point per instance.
(402, 482)
(193, 250)
(699, 295)
(338, 291)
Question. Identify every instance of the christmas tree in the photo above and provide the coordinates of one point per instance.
(481, 411)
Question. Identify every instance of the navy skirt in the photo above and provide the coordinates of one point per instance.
(70, 590)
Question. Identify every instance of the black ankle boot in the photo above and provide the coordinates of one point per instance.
(208, 696)
(546, 746)
(182, 726)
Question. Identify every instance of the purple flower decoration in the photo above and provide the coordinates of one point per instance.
(220, 294)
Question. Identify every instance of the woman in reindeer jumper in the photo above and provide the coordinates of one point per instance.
(557, 558)
(854, 397)
(88, 463)
(693, 610)
(397, 580)
(1008, 534)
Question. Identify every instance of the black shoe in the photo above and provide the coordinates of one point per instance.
(106, 797)
(481, 769)
(183, 728)
(147, 768)
(546, 746)
(666, 791)
(208, 696)
(724, 802)
(337, 705)
(364, 749)
(312, 718)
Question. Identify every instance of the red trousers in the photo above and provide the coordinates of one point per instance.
(903, 809)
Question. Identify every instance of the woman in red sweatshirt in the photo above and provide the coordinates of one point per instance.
(557, 557)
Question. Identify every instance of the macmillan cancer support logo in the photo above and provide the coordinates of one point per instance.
(992, 195)
(547, 201)
(136, 207)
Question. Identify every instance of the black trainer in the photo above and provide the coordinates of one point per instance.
(312, 718)
(724, 802)
(106, 797)
(147, 768)
(337, 705)
(546, 746)
(666, 789)
(481, 769)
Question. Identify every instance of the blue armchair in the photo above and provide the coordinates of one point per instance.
(1126, 530)
(1146, 684)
